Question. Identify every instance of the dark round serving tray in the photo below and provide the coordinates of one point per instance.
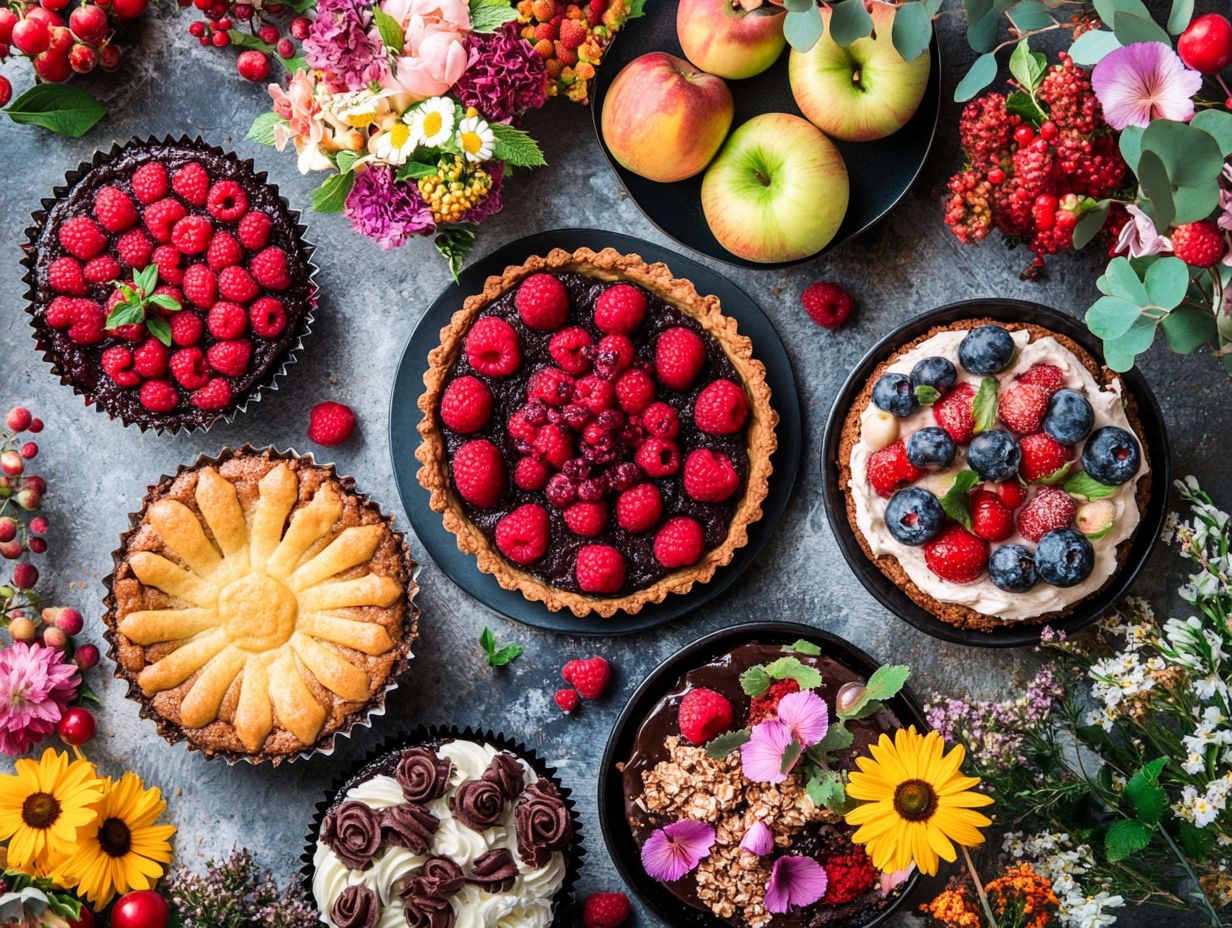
(881, 172)
(404, 416)
(617, 835)
(895, 599)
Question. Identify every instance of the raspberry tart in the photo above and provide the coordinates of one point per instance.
(260, 605)
(595, 432)
(168, 283)
(996, 472)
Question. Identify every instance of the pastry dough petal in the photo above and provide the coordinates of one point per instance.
(366, 637)
(309, 524)
(254, 716)
(296, 708)
(368, 590)
(334, 672)
(156, 571)
(220, 506)
(353, 547)
(153, 626)
(180, 528)
(201, 703)
(181, 663)
(279, 490)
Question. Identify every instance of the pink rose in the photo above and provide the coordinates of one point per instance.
(422, 18)
(432, 67)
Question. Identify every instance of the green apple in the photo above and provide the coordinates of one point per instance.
(864, 91)
(777, 191)
(722, 37)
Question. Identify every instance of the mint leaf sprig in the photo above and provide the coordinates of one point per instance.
(498, 655)
(139, 296)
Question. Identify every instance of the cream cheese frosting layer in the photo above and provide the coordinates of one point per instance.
(1108, 404)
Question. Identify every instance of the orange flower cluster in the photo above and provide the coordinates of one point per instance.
(955, 908)
(571, 38)
(1019, 898)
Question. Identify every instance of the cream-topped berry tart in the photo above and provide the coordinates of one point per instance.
(595, 432)
(995, 472)
(169, 282)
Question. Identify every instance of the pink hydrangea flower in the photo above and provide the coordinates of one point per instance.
(1144, 81)
(759, 839)
(794, 881)
(677, 849)
(36, 687)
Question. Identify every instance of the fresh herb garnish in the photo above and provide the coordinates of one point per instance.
(984, 407)
(957, 502)
(138, 297)
(498, 655)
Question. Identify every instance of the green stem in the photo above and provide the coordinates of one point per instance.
(979, 889)
(1189, 871)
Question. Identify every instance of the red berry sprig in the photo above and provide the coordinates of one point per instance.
(262, 30)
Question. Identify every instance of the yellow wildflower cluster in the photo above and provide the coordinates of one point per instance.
(453, 190)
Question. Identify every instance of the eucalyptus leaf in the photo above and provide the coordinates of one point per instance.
(1108, 9)
(1091, 47)
(799, 6)
(1153, 177)
(913, 30)
(1193, 161)
(1090, 224)
(1217, 124)
(1130, 28)
(1130, 144)
(1111, 317)
(803, 28)
(1167, 281)
(1121, 352)
(1029, 15)
(849, 20)
(981, 74)
(982, 31)
(1188, 328)
(1180, 15)
(1124, 282)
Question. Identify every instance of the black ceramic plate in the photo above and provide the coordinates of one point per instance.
(616, 832)
(880, 172)
(404, 418)
(899, 602)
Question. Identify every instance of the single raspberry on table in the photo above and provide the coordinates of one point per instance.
(1199, 244)
(82, 238)
(522, 535)
(590, 677)
(709, 476)
(113, 209)
(567, 700)
(605, 910)
(704, 715)
(479, 473)
(600, 569)
(679, 357)
(543, 302)
(330, 423)
(192, 183)
(721, 408)
(466, 405)
(620, 309)
(1042, 457)
(767, 704)
(955, 412)
(1022, 406)
(956, 554)
(679, 543)
(639, 509)
(492, 347)
(827, 304)
(890, 469)
(1049, 509)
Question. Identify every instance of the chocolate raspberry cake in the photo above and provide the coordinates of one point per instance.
(595, 432)
(168, 283)
(693, 777)
(995, 472)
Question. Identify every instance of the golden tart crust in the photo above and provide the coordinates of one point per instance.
(260, 605)
(606, 265)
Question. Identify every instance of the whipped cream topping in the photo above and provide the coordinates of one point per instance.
(527, 904)
(982, 595)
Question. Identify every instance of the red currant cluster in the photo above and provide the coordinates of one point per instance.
(260, 27)
(60, 47)
(1032, 180)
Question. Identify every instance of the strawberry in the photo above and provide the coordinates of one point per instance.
(543, 302)
(1049, 509)
(101, 270)
(1048, 377)
(1199, 244)
(158, 396)
(192, 183)
(1042, 457)
(479, 473)
(589, 677)
(224, 251)
(270, 269)
(567, 700)
(1022, 407)
(214, 395)
(890, 470)
(160, 218)
(639, 509)
(113, 209)
(268, 317)
(189, 369)
(703, 715)
(586, 519)
(620, 309)
(680, 543)
(330, 424)
(230, 357)
(82, 238)
(523, 534)
(226, 320)
(956, 555)
(466, 405)
(64, 276)
(1011, 493)
(150, 182)
(990, 519)
(227, 201)
(955, 412)
(709, 476)
(237, 285)
(254, 230)
(492, 347)
(605, 910)
(679, 357)
(133, 248)
(721, 408)
(600, 569)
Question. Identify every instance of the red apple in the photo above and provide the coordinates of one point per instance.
(664, 119)
(722, 37)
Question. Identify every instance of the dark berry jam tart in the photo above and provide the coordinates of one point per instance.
(595, 432)
(168, 283)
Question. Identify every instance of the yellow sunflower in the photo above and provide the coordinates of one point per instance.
(122, 849)
(43, 805)
(916, 802)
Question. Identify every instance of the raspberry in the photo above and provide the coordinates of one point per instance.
(133, 248)
(890, 470)
(554, 445)
(658, 457)
(214, 395)
(113, 209)
(226, 320)
(600, 569)
(567, 349)
(848, 876)
(254, 230)
(466, 405)
(767, 704)
(227, 201)
(566, 699)
(595, 11)
(542, 302)
(150, 182)
(117, 363)
(231, 357)
(237, 285)
(679, 543)
(956, 555)
(1199, 244)
(594, 394)
(572, 34)
(660, 420)
(192, 183)
(189, 369)
(679, 357)
(704, 715)
(101, 270)
(159, 396)
(589, 677)
(827, 304)
(550, 385)
(639, 509)
(620, 309)
(84, 319)
(1022, 408)
(269, 267)
(721, 408)
(955, 412)
(523, 534)
(530, 474)
(635, 390)
(192, 234)
(479, 473)
(330, 424)
(709, 477)
(560, 491)
(64, 276)
(1047, 377)
(268, 317)
(150, 360)
(520, 428)
(613, 354)
(82, 238)
(224, 251)
(605, 910)
(1050, 508)
(186, 327)
(586, 519)
(990, 519)
(492, 347)
(162, 216)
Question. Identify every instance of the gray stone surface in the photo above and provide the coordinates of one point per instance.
(371, 300)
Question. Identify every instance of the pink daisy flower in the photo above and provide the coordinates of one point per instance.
(36, 686)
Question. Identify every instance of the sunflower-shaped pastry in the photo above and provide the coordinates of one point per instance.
(259, 604)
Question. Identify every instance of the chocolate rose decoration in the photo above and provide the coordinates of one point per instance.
(495, 871)
(506, 772)
(478, 804)
(439, 876)
(357, 907)
(353, 832)
(542, 823)
(408, 825)
(427, 911)
(423, 775)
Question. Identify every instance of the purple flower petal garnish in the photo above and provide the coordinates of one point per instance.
(806, 714)
(676, 849)
(761, 757)
(758, 839)
(1142, 82)
(794, 881)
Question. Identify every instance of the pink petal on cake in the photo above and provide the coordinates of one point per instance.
(806, 714)
(794, 881)
(761, 757)
(758, 839)
(676, 849)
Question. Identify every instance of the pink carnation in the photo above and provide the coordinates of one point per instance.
(36, 686)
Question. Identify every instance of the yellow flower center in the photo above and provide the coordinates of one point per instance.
(432, 123)
(471, 142)
(115, 838)
(40, 810)
(915, 800)
(399, 134)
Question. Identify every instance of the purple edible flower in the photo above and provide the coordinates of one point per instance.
(387, 210)
(794, 881)
(758, 840)
(505, 76)
(677, 849)
(805, 715)
(1142, 82)
(761, 757)
(338, 43)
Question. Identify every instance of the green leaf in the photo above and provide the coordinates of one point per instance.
(331, 196)
(1130, 144)
(1029, 15)
(886, 681)
(984, 407)
(346, 161)
(1218, 125)
(1084, 486)
(165, 301)
(926, 395)
(790, 668)
(1024, 105)
(487, 640)
(1123, 281)
(125, 314)
(983, 28)
(982, 73)
(1059, 475)
(490, 15)
(241, 39)
(1167, 282)
(498, 655)
(1112, 316)
(913, 30)
(1130, 29)
(849, 20)
(837, 738)
(724, 744)
(1180, 15)
(262, 129)
(62, 108)
(957, 502)
(1158, 189)
(1028, 67)
(414, 170)
(515, 147)
(1090, 224)
(147, 279)
(791, 754)
(1108, 9)
(160, 329)
(1090, 48)
(1193, 161)
(826, 790)
(798, 6)
(802, 646)
(1126, 838)
(390, 29)
(1187, 328)
(1145, 794)
(803, 28)
(1120, 353)
(636, 9)
(755, 681)
(1197, 842)
(455, 242)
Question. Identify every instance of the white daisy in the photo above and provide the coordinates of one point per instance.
(356, 108)
(395, 145)
(432, 122)
(475, 138)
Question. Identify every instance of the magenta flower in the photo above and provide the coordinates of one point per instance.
(677, 849)
(339, 43)
(761, 757)
(385, 209)
(1142, 82)
(794, 881)
(36, 686)
(758, 839)
(505, 76)
(806, 715)
(491, 204)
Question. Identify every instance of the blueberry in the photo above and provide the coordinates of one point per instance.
(986, 350)
(894, 394)
(1012, 568)
(934, 372)
(1064, 557)
(994, 455)
(1111, 455)
(914, 516)
(1069, 418)
(931, 447)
